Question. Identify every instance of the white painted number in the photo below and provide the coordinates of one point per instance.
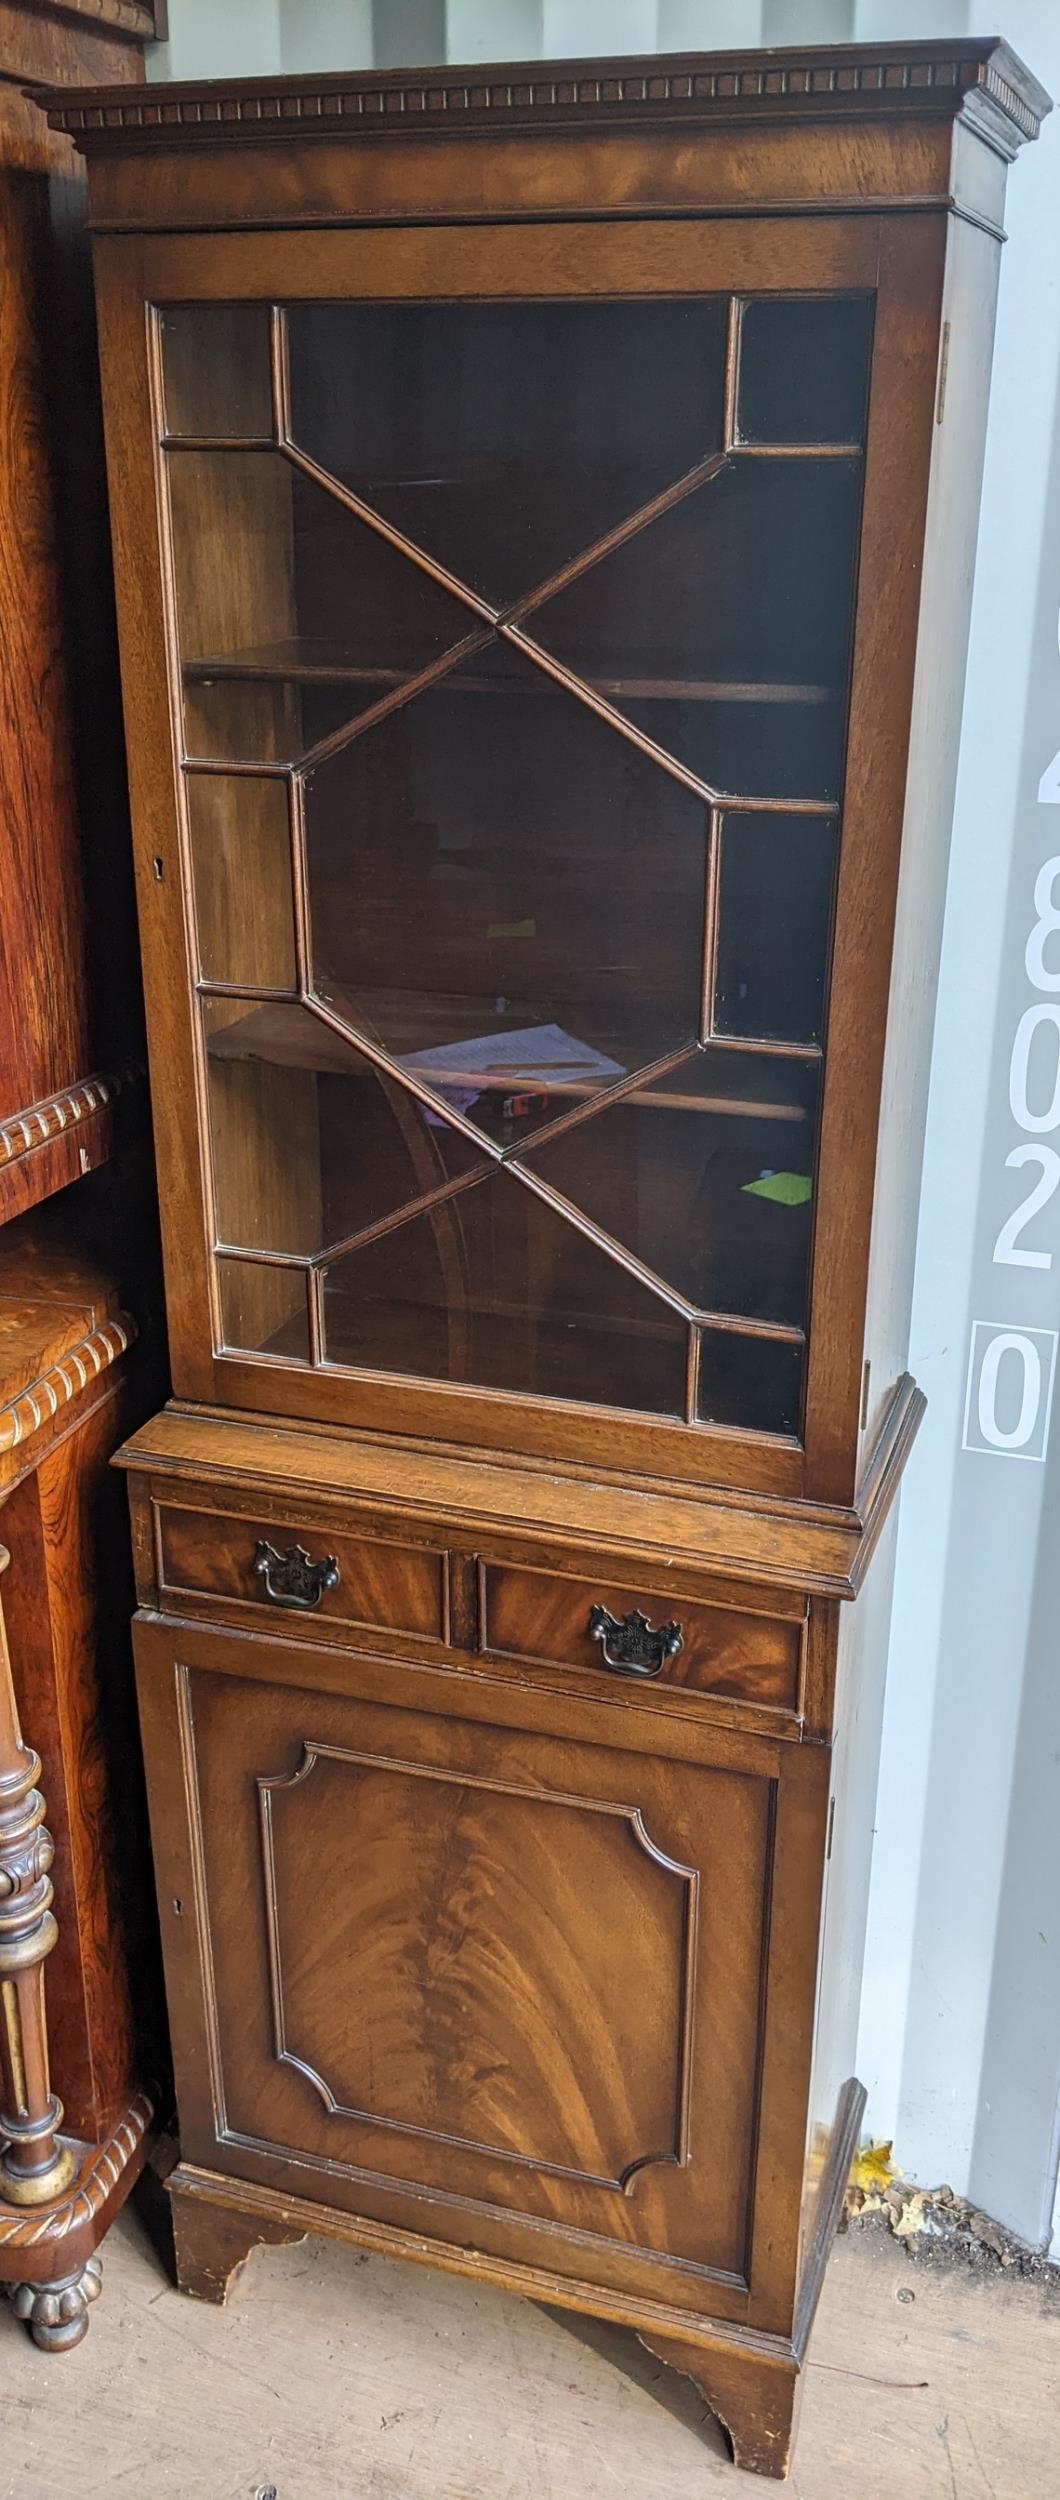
(1018, 1434)
(1049, 785)
(1010, 1390)
(1011, 1370)
(1039, 972)
(1031, 1022)
(1006, 1253)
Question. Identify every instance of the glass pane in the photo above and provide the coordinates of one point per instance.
(750, 1382)
(706, 1176)
(310, 1144)
(264, 1310)
(241, 870)
(761, 745)
(216, 371)
(293, 616)
(504, 437)
(804, 370)
(507, 895)
(241, 720)
(496, 1289)
(741, 592)
(774, 925)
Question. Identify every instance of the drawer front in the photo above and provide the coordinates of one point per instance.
(258, 1562)
(545, 1620)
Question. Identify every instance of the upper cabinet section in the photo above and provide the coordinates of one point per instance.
(514, 647)
(519, 606)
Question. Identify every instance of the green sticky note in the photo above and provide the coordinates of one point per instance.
(789, 1189)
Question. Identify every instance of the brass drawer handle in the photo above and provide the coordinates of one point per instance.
(290, 1578)
(632, 1647)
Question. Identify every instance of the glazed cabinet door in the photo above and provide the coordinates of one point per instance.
(510, 608)
(510, 1987)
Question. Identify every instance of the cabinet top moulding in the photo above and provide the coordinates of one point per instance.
(981, 81)
(891, 127)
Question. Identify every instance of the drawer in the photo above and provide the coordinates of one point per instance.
(543, 1619)
(376, 1584)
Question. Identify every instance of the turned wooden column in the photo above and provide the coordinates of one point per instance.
(35, 2167)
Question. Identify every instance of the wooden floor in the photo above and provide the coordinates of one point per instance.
(337, 2377)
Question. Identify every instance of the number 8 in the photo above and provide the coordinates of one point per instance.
(1048, 920)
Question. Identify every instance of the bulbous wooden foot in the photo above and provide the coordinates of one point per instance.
(755, 2400)
(57, 2313)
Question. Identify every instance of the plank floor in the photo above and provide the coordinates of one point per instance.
(332, 2376)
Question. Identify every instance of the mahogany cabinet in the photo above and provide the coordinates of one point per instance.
(544, 506)
(75, 1248)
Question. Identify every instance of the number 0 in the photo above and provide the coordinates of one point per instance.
(1031, 1022)
(1009, 1342)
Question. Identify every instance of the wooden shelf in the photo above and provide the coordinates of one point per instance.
(291, 1037)
(291, 664)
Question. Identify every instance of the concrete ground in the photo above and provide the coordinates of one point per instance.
(333, 2376)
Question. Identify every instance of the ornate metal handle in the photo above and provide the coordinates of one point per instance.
(290, 1578)
(632, 1647)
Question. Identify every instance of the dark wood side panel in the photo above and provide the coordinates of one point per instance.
(44, 1041)
(67, 1599)
(52, 777)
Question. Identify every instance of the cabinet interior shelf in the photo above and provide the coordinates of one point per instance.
(287, 665)
(290, 1037)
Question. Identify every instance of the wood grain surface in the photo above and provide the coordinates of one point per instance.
(474, 1952)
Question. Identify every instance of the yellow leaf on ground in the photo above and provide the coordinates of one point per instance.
(872, 2169)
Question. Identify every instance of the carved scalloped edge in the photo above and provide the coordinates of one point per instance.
(28, 2229)
(22, 1131)
(93, 1354)
(129, 20)
(911, 78)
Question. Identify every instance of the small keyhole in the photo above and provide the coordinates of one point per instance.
(178, 1907)
(159, 868)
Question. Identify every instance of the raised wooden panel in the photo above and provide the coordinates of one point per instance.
(533, 1898)
(537, 1616)
(518, 1971)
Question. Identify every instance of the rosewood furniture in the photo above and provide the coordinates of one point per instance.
(75, 1988)
(69, 1040)
(544, 506)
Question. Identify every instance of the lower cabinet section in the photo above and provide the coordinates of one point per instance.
(543, 1991)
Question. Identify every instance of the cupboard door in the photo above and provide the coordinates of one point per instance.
(514, 646)
(521, 1975)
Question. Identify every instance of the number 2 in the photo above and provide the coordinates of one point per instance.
(1006, 1253)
